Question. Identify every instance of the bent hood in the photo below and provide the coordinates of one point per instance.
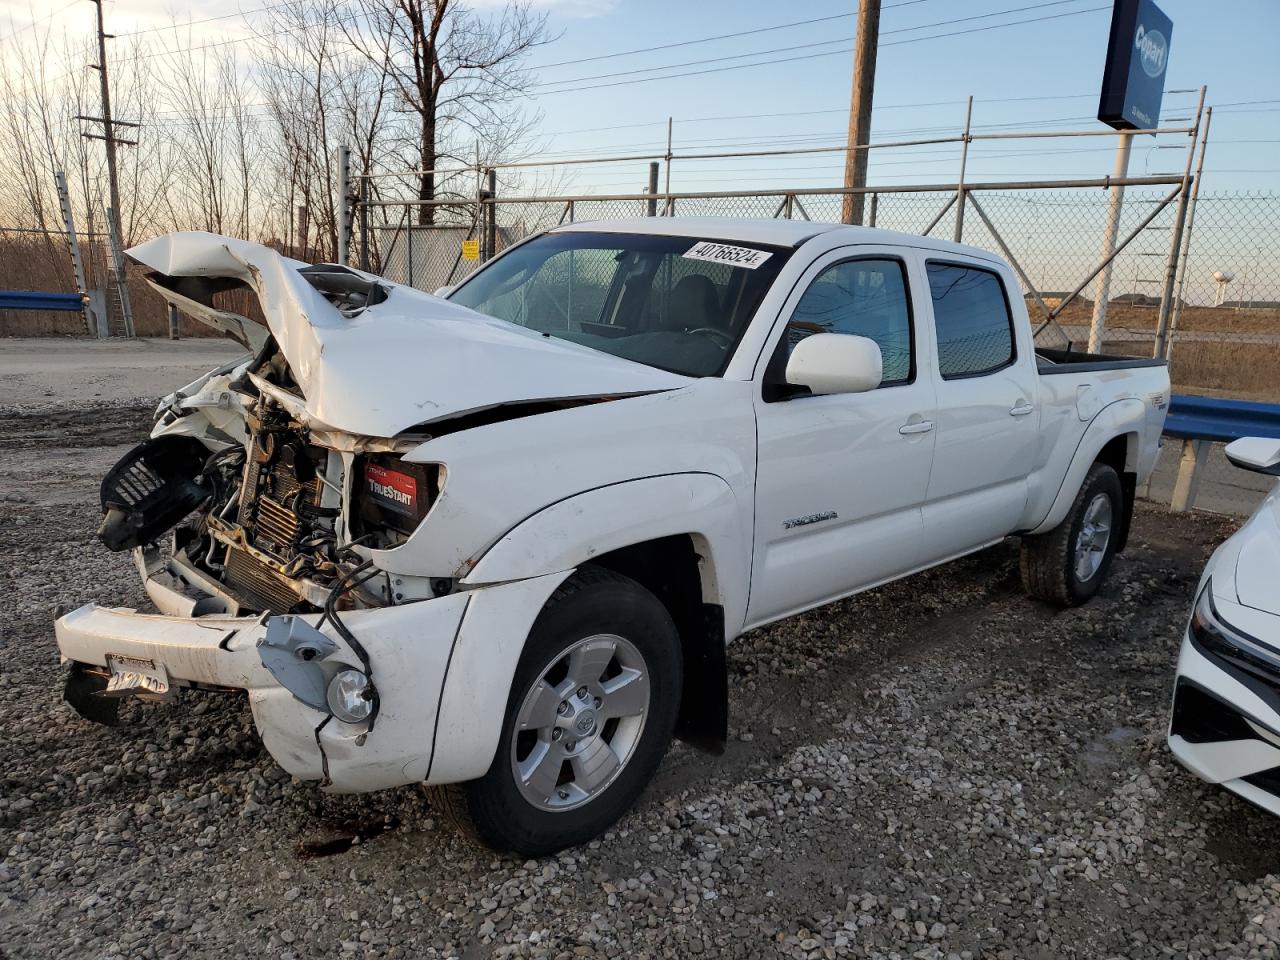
(380, 369)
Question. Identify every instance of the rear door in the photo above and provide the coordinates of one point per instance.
(841, 479)
(987, 422)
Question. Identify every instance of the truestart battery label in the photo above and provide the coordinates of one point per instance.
(394, 490)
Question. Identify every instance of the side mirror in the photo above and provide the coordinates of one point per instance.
(444, 291)
(1255, 453)
(835, 363)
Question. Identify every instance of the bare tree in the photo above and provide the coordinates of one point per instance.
(459, 73)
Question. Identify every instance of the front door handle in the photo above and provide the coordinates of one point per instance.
(1021, 409)
(920, 426)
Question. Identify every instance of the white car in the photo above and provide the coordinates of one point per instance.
(501, 540)
(1226, 703)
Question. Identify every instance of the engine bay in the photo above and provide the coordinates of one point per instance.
(259, 523)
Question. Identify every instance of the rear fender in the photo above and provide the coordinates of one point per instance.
(1119, 418)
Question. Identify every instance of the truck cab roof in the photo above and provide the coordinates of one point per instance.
(768, 230)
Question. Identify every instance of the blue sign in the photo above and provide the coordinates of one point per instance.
(1137, 58)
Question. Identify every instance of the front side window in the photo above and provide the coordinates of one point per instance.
(677, 303)
(971, 316)
(866, 298)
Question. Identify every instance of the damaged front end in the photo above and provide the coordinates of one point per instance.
(281, 516)
(251, 523)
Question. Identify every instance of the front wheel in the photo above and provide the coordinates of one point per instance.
(591, 711)
(1067, 565)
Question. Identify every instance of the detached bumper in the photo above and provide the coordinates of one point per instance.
(408, 646)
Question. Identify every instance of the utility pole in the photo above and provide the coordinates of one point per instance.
(864, 83)
(108, 124)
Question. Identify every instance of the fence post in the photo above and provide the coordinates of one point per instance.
(1194, 453)
(344, 204)
(964, 159)
(173, 322)
(408, 239)
(491, 218)
(651, 207)
(1186, 243)
(364, 223)
(95, 323)
(121, 277)
(875, 202)
(1175, 242)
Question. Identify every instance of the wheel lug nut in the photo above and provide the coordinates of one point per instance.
(563, 794)
(563, 708)
(598, 701)
(571, 745)
(557, 733)
(582, 693)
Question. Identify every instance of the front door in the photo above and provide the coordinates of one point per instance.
(841, 479)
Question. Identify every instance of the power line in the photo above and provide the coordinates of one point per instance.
(806, 46)
(37, 22)
(720, 36)
(762, 63)
(191, 23)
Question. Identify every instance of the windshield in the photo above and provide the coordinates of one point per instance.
(677, 303)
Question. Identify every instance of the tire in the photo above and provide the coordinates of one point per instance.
(585, 758)
(1056, 566)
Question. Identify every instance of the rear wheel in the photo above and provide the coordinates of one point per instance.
(589, 717)
(1067, 565)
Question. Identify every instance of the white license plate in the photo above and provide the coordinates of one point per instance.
(136, 677)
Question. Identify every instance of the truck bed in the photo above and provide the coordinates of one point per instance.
(1051, 361)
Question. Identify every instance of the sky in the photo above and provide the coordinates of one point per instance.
(751, 75)
(597, 97)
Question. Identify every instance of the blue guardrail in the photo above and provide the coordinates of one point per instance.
(1210, 418)
(39, 300)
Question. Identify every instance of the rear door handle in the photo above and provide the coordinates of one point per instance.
(920, 426)
(1021, 409)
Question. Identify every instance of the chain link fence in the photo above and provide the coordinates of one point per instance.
(1225, 320)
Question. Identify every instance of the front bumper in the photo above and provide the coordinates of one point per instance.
(1225, 728)
(408, 648)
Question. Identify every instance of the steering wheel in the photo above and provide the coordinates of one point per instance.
(722, 339)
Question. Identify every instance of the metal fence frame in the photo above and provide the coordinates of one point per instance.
(479, 213)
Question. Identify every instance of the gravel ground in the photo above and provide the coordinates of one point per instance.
(938, 768)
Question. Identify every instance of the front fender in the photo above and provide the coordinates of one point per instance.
(571, 532)
(1116, 419)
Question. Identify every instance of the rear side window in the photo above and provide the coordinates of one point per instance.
(867, 298)
(971, 316)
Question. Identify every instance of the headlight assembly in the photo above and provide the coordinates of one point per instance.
(350, 696)
(1214, 635)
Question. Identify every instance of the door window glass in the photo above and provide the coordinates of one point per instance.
(971, 315)
(866, 298)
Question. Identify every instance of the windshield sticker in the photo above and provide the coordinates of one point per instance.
(723, 253)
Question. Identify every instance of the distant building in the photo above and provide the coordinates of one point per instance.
(1135, 300)
(1252, 304)
(1053, 298)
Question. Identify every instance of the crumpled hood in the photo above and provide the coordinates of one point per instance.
(409, 360)
(1257, 572)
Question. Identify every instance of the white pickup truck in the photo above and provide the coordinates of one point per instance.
(496, 543)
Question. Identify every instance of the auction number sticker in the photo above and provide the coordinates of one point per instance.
(724, 253)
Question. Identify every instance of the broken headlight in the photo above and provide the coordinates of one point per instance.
(350, 696)
(391, 496)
